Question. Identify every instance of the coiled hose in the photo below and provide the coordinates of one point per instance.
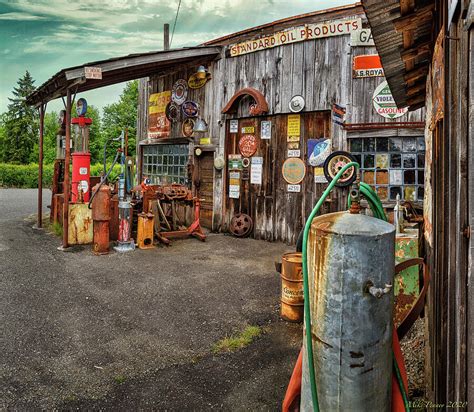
(377, 209)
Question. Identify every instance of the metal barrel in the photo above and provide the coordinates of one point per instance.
(292, 287)
(350, 261)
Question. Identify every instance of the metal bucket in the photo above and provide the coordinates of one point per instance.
(292, 287)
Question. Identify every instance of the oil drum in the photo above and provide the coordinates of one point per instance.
(292, 287)
(351, 261)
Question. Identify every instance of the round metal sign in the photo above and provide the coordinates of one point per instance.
(384, 103)
(188, 127)
(297, 103)
(245, 162)
(172, 112)
(248, 145)
(190, 108)
(293, 170)
(196, 81)
(179, 92)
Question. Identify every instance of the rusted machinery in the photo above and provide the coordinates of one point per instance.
(101, 218)
(291, 287)
(145, 230)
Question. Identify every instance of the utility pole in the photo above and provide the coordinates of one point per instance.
(166, 34)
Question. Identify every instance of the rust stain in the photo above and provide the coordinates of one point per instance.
(320, 340)
(357, 365)
(367, 370)
(356, 354)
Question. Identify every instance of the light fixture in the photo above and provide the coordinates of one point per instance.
(200, 126)
(201, 72)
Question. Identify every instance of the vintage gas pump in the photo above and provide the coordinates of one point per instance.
(81, 157)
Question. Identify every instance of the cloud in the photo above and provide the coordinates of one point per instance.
(20, 16)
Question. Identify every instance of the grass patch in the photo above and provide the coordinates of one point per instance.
(119, 379)
(238, 341)
(57, 229)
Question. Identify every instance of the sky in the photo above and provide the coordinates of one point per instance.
(45, 36)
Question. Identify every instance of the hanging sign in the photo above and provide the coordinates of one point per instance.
(179, 91)
(196, 81)
(367, 66)
(158, 124)
(293, 128)
(190, 108)
(362, 37)
(294, 153)
(234, 126)
(93, 73)
(234, 185)
(188, 128)
(293, 188)
(256, 169)
(248, 145)
(293, 170)
(384, 104)
(298, 34)
(266, 129)
(235, 162)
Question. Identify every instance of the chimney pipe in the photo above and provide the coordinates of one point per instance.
(166, 33)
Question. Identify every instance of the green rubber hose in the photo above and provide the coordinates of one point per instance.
(307, 314)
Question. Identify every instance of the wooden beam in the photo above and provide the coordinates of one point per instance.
(416, 99)
(416, 88)
(413, 20)
(418, 49)
(416, 74)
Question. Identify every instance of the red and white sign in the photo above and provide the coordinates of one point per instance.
(93, 73)
(368, 65)
(297, 34)
(384, 103)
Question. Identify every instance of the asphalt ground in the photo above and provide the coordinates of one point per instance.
(136, 331)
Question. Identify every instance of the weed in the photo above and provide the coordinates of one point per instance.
(57, 229)
(119, 379)
(237, 341)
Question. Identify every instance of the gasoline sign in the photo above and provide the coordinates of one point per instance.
(293, 170)
(384, 104)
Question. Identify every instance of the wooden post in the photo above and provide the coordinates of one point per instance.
(67, 161)
(166, 34)
(42, 108)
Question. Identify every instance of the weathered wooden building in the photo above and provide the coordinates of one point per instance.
(426, 48)
(321, 57)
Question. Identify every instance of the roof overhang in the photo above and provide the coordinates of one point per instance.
(403, 34)
(120, 69)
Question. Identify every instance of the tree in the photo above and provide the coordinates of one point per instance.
(20, 124)
(119, 116)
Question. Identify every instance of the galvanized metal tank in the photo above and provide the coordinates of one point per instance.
(350, 262)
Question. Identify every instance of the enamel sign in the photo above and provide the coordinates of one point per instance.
(384, 104)
(367, 66)
(362, 37)
(297, 34)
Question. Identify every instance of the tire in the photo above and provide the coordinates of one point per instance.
(329, 171)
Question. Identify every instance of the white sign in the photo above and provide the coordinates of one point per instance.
(362, 37)
(234, 191)
(93, 73)
(297, 34)
(294, 188)
(234, 126)
(256, 169)
(384, 104)
(294, 153)
(83, 170)
(266, 129)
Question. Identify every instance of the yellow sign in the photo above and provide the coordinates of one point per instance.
(196, 82)
(248, 130)
(294, 126)
(158, 102)
(297, 34)
(205, 140)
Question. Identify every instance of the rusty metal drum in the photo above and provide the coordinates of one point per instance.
(350, 276)
(292, 300)
(101, 203)
(101, 237)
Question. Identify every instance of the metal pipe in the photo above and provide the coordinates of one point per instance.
(166, 36)
(384, 125)
(67, 160)
(42, 108)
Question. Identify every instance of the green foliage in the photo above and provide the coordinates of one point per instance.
(19, 125)
(238, 341)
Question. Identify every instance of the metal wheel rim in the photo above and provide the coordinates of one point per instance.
(336, 164)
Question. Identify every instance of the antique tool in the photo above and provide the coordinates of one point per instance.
(241, 225)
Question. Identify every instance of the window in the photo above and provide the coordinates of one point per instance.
(166, 163)
(392, 165)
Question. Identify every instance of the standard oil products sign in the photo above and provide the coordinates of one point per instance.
(297, 34)
(384, 104)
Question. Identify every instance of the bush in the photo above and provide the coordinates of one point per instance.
(26, 176)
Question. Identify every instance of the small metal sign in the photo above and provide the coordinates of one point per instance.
(188, 127)
(248, 130)
(266, 129)
(190, 108)
(179, 92)
(294, 153)
(362, 37)
(248, 145)
(172, 112)
(235, 162)
(234, 126)
(234, 185)
(384, 103)
(256, 170)
(93, 73)
(293, 170)
(196, 82)
(294, 188)
(367, 66)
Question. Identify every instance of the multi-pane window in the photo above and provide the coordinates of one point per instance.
(392, 165)
(165, 163)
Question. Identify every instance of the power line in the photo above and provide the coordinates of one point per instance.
(175, 20)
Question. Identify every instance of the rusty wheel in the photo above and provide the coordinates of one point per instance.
(335, 162)
(241, 225)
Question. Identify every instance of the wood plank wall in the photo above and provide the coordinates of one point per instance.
(320, 70)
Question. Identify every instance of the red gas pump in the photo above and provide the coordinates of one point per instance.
(81, 158)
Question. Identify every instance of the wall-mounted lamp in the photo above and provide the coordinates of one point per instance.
(200, 126)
